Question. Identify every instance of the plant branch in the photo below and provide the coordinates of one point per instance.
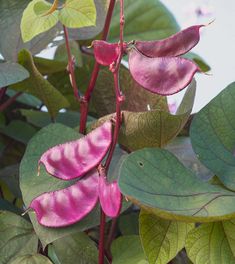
(2, 92)
(86, 99)
(9, 101)
(102, 236)
(71, 65)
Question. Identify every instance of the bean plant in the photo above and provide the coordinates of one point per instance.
(96, 167)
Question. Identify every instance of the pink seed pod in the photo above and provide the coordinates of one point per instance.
(164, 75)
(175, 45)
(105, 53)
(73, 159)
(110, 197)
(67, 206)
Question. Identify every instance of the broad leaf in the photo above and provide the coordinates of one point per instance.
(46, 66)
(39, 87)
(128, 250)
(164, 239)
(157, 181)
(10, 18)
(36, 19)
(11, 73)
(145, 20)
(78, 247)
(212, 243)
(16, 237)
(129, 224)
(78, 13)
(29, 259)
(213, 136)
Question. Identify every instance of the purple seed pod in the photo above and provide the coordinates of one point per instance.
(74, 159)
(105, 53)
(163, 75)
(67, 206)
(110, 197)
(175, 45)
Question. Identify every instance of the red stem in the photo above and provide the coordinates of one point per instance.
(9, 101)
(102, 236)
(91, 86)
(71, 65)
(2, 92)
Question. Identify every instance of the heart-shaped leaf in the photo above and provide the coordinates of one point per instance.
(67, 206)
(161, 75)
(29, 259)
(11, 73)
(177, 44)
(110, 197)
(212, 243)
(36, 19)
(75, 158)
(78, 13)
(157, 181)
(164, 239)
(39, 87)
(213, 136)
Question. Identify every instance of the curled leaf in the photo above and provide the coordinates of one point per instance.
(110, 197)
(175, 45)
(105, 53)
(67, 206)
(73, 159)
(164, 75)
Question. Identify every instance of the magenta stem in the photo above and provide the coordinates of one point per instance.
(2, 92)
(102, 236)
(86, 98)
(9, 101)
(71, 65)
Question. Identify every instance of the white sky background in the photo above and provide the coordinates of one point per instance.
(217, 44)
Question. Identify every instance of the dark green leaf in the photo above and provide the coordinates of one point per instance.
(31, 259)
(213, 136)
(129, 224)
(157, 181)
(7, 206)
(46, 66)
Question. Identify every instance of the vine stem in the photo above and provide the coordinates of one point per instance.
(71, 65)
(9, 101)
(86, 98)
(102, 236)
(2, 92)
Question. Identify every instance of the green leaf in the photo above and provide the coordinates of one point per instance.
(11, 73)
(198, 60)
(78, 13)
(155, 180)
(36, 19)
(46, 66)
(213, 136)
(128, 250)
(137, 99)
(145, 20)
(78, 247)
(52, 255)
(31, 259)
(39, 87)
(16, 237)
(210, 243)
(153, 128)
(19, 130)
(7, 206)
(10, 18)
(129, 224)
(162, 239)
(181, 147)
(31, 185)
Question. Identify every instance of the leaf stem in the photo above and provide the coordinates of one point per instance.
(9, 101)
(86, 98)
(2, 92)
(71, 65)
(102, 236)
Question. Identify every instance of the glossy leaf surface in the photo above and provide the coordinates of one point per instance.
(162, 75)
(210, 243)
(11, 73)
(67, 206)
(31, 259)
(105, 53)
(175, 45)
(164, 239)
(78, 13)
(158, 182)
(213, 136)
(36, 20)
(39, 87)
(110, 197)
(73, 159)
